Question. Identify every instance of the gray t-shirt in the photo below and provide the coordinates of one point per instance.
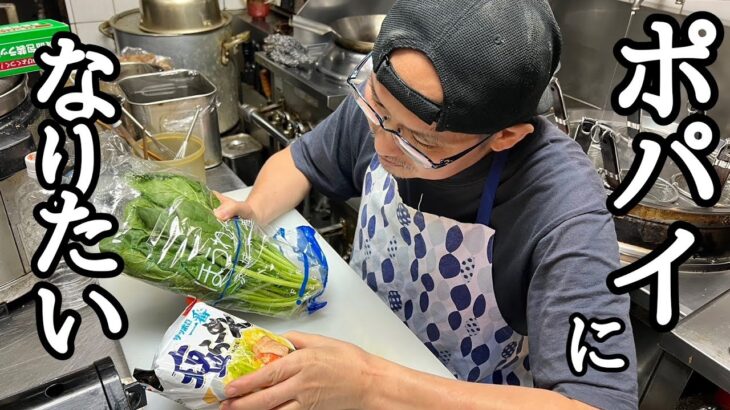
(555, 241)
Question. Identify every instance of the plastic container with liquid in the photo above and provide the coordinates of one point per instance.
(192, 165)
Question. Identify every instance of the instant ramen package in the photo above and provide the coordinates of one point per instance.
(204, 350)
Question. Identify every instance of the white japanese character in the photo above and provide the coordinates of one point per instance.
(56, 338)
(59, 213)
(100, 62)
(578, 350)
(67, 55)
(87, 100)
(51, 155)
(696, 137)
(87, 165)
(113, 319)
(65, 212)
(697, 49)
(659, 270)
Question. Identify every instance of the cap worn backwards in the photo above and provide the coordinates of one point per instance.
(494, 59)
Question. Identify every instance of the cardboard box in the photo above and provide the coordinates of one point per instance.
(19, 41)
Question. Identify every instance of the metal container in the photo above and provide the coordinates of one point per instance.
(180, 16)
(16, 278)
(167, 101)
(15, 144)
(244, 155)
(13, 91)
(127, 69)
(207, 52)
(98, 386)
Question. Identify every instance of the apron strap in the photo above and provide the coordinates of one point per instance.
(484, 215)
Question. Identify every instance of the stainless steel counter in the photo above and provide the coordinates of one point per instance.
(696, 289)
(699, 343)
(223, 179)
(702, 341)
(26, 364)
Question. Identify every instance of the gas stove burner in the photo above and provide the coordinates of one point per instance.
(337, 63)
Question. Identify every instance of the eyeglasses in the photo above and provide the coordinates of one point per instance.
(360, 76)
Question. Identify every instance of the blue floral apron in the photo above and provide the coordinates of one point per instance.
(435, 273)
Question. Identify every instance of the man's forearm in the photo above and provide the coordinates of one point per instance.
(279, 187)
(397, 387)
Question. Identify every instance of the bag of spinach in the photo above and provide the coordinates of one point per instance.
(171, 239)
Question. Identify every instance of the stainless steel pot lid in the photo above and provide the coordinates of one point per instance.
(180, 16)
(13, 91)
(128, 22)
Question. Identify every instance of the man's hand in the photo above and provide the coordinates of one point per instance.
(322, 373)
(230, 208)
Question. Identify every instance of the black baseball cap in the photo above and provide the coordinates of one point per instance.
(494, 58)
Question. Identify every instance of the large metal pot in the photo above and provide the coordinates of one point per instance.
(180, 16)
(207, 52)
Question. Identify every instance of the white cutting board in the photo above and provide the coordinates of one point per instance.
(353, 313)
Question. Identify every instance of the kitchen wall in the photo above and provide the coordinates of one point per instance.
(591, 28)
(86, 15)
(721, 8)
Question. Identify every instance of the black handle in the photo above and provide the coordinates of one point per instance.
(609, 153)
(584, 133)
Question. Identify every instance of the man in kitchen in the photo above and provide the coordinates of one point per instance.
(481, 225)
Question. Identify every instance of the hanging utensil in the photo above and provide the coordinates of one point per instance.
(167, 151)
(184, 147)
(609, 152)
(124, 133)
(145, 155)
(561, 114)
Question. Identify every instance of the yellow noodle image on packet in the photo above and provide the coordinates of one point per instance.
(203, 351)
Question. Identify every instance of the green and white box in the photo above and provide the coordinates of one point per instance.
(19, 41)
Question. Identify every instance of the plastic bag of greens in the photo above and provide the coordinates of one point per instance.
(203, 351)
(171, 239)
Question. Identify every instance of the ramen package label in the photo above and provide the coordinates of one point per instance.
(204, 350)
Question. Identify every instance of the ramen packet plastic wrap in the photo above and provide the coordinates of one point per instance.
(204, 350)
